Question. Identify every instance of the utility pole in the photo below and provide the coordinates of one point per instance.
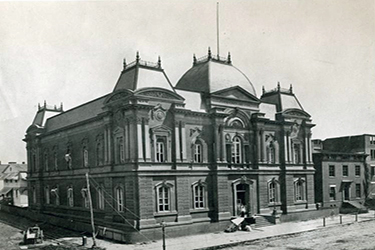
(163, 230)
(91, 211)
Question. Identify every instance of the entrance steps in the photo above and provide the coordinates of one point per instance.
(264, 221)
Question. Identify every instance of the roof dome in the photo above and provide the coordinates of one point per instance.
(210, 74)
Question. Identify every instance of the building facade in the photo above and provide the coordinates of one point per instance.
(340, 179)
(13, 184)
(192, 155)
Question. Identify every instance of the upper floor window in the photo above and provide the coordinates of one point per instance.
(46, 195)
(297, 153)
(33, 190)
(46, 161)
(99, 153)
(68, 158)
(70, 197)
(120, 149)
(372, 154)
(119, 199)
(372, 139)
(345, 170)
(198, 152)
(160, 149)
(55, 159)
(237, 150)
(55, 196)
(331, 170)
(85, 157)
(271, 152)
(357, 170)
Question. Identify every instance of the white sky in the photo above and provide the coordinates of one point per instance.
(72, 52)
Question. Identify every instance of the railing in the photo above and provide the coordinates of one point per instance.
(143, 63)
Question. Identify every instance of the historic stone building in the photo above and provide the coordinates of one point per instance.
(192, 155)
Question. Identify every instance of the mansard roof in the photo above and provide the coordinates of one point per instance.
(213, 73)
(142, 74)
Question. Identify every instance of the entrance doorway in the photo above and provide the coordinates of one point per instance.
(346, 192)
(242, 200)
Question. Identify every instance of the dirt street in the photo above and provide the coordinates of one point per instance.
(358, 236)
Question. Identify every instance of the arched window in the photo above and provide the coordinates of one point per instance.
(55, 160)
(46, 160)
(120, 149)
(160, 150)
(237, 150)
(273, 191)
(119, 199)
(100, 198)
(99, 153)
(85, 157)
(297, 153)
(85, 197)
(55, 196)
(271, 152)
(70, 197)
(164, 197)
(199, 195)
(68, 157)
(46, 195)
(198, 152)
(299, 189)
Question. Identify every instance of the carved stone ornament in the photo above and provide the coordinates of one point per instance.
(194, 134)
(295, 130)
(118, 96)
(227, 138)
(118, 116)
(158, 94)
(158, 113)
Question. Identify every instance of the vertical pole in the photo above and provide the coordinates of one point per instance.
(324, 221)
(340, 219)
(356, 217)
(163, 230)
(217, 27)
(91, 212)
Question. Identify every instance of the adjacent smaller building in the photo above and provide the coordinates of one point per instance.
(13, 184)
(340, 178)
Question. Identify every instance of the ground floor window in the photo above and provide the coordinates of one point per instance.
(358, 190)
(299, 189)
(70, 197)
(46, 195)
(273, 191)
(100, 198)
(120, 199)
(332, 193)
(199, 195)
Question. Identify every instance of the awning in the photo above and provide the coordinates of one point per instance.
(5, 190)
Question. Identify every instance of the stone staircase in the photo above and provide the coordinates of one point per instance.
(264, 221)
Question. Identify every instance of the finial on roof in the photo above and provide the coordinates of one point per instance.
(209, 53)
(229, 59)
(137, 57)
(291, 89)
(38, 105)
(278, 86)
(45, 104)
(159, 62)
(263, 90)
(194, 59)
(61, 106)
(124, 63)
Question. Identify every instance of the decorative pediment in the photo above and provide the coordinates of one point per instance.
(296, 113)
(118, 95)
(159, 93)
(236, 93)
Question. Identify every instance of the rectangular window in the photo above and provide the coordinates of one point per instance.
(199, 196)
(331, 170)
(332, 193)
(55, 160)
(197, 153)
(372, 154)
(163, 199)
(299, 190)
(120, 199)
(160, 150)
(357, 170)
(372, 171)
(372, 139)
(46, 161)
(358, 190)
(345, 170)
(272, 192)
(100, 199)
(120, 148)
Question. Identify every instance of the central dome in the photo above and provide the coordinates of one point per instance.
(210, 74)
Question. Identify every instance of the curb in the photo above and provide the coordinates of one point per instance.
(226, 245)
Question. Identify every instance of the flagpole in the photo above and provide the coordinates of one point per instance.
(217, 28)
(91, 211)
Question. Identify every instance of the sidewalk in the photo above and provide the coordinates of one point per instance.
(210, 240)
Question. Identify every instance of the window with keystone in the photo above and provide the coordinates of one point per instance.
(199, 195)
(299, 189)
(70, 197)
(237, 150)
(119, 191)
(164, 196)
